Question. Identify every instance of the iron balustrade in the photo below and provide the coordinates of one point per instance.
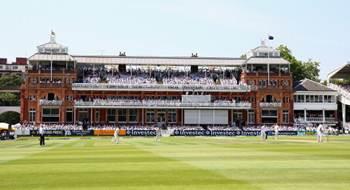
(241, 87)
(152, 103)
(270, 104)
(43, 102)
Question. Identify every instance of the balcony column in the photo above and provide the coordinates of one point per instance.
(247, 118)
(343, 112)
(143, 116)
(305, 115)
(91, 114)
(213, 117)
(74, 115)
(182, 117)
(323, 116)
(199, 117)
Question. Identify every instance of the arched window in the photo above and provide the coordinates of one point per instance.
(269, 98)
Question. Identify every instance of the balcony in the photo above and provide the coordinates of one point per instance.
(159, 87)
(49, 85)
(315, 105)
(50, 102)
(316, 120)
(160, 104)
(272, 74)
(270, 104)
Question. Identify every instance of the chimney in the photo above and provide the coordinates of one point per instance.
(21, 60)
(3, 60)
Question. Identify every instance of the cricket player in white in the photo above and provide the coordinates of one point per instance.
(325, 131)
(319, 132)
(263, 133)
(158, 134)
(116, 135)
(276, 131)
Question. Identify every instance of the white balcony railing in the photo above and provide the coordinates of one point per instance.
(270, 104)
(50, 102)
(315, 106)
(149, 104)
(316, 119)
(180, 87)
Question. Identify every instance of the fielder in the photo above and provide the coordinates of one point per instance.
(276, 131)
(158, 134)
(319, 132)
(263, 133)
(116, 135)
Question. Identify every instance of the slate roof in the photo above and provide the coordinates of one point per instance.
(310, 85)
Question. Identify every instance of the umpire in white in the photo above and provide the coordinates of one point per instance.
(42, 135)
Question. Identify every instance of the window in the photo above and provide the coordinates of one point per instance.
(69, 98)
(32, 98)
(285, 83)
(122, 115)
(83, 115)
(269, 113)
(285, 116)
(269, 116)
(132, 115)
(69, 80)
(307, 98)
(150, 116)
(171, 116)
(251, 99)
(50, 115)
(161, 116)
(237, 116)
(269, 98)
(111, 115)
(51, 96)
(251, 117)
(33, 80)
(285, 99)
(32, 115)
(50, 111)
(69, 115)
(299, 98)
(328, 99)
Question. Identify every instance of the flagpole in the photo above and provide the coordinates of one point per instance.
(51, 66)
(52, 40)
(268, 60)
(268, 66)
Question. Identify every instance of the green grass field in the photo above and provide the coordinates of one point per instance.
(176, 163)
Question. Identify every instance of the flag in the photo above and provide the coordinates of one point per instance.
(270, 37)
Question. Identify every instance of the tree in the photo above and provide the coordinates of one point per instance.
(11, 81)
(10, 117)
(301, 70)
(9, 99)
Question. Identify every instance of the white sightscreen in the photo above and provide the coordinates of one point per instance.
(191, 116)
(206, 117)
(221, 117)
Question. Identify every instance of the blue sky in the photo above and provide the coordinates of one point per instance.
(312, 29)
